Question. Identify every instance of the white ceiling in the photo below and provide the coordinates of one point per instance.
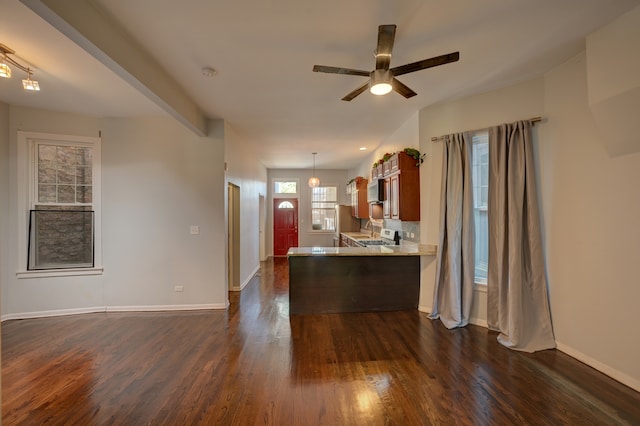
(264, 51)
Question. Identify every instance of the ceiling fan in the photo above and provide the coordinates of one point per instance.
(382, 80)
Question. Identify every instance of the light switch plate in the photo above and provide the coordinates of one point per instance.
(194, 230)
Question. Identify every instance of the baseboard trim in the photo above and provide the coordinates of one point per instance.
(91, 310)
(474, 321)
(600, 366)
(55, 313)
(159, 308)
(244, 284)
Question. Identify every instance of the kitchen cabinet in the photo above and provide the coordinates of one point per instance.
(402, 189)
(377, 172)
(353, 283)
(359, 205)
(386, 205)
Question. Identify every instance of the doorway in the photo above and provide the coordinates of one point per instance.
(233, 217)
(262, 219)
(285, 225)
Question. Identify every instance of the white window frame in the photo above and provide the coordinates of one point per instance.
(285, 194)
(337, 201)
(27, 194)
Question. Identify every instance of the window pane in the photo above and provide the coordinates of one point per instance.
(65, 155)
(67, 175)
(480, 176)
(83, 175)
(317, 205)
(84, 156)
(46, 154)
(46, 173)
(323, 220)
(66, 194)
(60, 239)
(324, 193)
(285, 205)
(323, 211)
(70, 168)
(46, 193)
(286, 187)
(83, 194)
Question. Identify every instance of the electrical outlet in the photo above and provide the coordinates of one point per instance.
(413, 235)
(178, 288)
(194, 230)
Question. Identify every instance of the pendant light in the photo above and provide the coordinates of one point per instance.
(313, 180)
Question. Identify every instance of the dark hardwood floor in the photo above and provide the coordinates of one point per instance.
(254, 365)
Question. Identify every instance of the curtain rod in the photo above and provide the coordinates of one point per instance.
(533, 120)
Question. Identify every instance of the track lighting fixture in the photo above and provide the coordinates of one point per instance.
(5, 68)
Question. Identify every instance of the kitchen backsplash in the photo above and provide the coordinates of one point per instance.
(409, 231)
(406, 229)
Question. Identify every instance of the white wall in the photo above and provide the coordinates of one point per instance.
(306, 238)
(590, 206)
(613, 81)
(405, 136)
(245, 171)
(4, 211)
(158, 178)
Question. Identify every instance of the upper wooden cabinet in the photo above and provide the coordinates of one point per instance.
(402, 188)
(358, 191)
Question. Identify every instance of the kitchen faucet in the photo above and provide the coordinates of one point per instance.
(369, 225)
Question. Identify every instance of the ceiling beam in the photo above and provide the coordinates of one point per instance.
(91, 29)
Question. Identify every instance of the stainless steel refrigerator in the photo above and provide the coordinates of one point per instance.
(344, 222)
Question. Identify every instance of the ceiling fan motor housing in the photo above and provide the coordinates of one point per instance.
(380, 82)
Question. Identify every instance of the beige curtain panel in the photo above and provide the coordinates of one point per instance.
(518, 303)
(453, 291)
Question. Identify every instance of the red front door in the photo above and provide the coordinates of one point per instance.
(285, 225)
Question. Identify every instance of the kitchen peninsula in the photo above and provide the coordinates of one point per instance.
(355, 279)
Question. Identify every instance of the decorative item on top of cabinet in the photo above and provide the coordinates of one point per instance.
(359, 205)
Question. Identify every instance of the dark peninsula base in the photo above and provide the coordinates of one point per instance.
(330, 284)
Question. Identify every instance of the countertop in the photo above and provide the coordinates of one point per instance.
(401, 250)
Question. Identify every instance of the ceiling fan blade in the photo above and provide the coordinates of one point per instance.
(426, 63)
(386, 36)
(402, 89)
(338, 70)
(356, 92)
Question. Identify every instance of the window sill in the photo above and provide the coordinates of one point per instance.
(480, 287)
(60, 272)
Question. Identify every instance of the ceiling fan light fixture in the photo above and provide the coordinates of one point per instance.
(380, 82)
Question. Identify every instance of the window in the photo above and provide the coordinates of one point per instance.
(285, 205)
(60, 181)
(285, 187)
(323, 208)
(480, 179)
